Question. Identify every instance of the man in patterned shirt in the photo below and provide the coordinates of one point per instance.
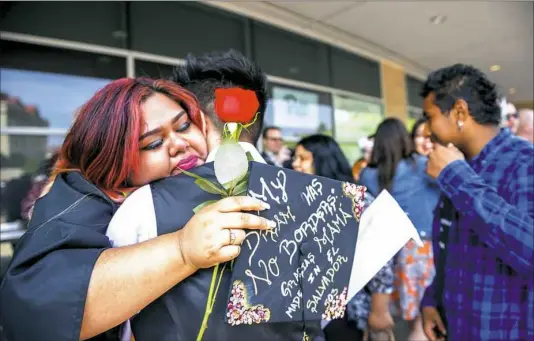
(483, 228)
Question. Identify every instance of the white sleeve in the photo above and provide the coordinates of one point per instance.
(135, 221)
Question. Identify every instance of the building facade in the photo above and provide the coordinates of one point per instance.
(55, 55)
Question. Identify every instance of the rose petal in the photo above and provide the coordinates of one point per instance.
(231, 163)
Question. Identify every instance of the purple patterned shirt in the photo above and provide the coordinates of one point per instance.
(488, 288)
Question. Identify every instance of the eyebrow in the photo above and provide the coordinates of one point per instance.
(158, 129)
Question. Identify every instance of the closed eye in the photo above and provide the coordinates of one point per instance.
(184, 127)
(153, 145)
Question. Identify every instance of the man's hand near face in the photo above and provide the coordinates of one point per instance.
(441, 157)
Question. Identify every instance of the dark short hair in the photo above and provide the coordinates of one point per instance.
(328, 158)
(203, 74)
(465, 82)
(266, 130)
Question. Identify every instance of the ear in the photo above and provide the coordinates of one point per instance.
(204, 127)
(461, 111)
(213, 135)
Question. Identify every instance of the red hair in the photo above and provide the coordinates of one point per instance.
(103, 141)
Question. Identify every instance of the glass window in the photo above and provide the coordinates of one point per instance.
(21, 157)
(413, 88)
(413, 115)
(285, 54)
(299, 112)
(41, 89)
(44, 86)
(152, 70)
(44, 99)
(354, 119)
(177, 28)
(94, 22)
(355, 73)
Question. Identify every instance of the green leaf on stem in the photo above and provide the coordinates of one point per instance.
(251, 123)
(190, 174)
(210, 187)
(204, 204)
(205, 184)
(240, 188)
(249, 157)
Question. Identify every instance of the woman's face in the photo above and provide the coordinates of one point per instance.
(423, 144)
(168, 141)
(303, 161)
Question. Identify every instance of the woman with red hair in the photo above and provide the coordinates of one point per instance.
(130, 133)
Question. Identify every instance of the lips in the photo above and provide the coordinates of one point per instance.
(187, 163)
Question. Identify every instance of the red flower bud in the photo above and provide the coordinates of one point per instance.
(236, 105)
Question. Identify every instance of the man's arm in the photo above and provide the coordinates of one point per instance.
(506, 228)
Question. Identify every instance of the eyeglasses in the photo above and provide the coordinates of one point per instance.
(275, 139)
(509, 116)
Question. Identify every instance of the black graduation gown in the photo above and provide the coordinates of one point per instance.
(42, 296)
(178, 314)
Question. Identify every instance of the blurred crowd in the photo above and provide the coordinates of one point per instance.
(465, 167)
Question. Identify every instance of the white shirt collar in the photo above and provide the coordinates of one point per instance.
(248, 147)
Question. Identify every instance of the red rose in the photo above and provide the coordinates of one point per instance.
(236, 105)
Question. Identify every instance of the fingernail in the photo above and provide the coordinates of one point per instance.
(265, 206)
(271, 223)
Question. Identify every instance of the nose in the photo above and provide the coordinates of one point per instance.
(177, 144)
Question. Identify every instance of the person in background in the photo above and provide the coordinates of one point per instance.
(420, 138)
(483, 228)
(525, 128)
(38, 184)
(289, 162)
(357, 168)
(397, 168)
(511, 117)
(321, 155)
(366, 146)
(14, 189)
(274, 151)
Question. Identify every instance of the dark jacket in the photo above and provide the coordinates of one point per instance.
(43, 293)
(42, 296)
(267, 158)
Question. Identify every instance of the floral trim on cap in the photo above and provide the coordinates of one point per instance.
(240, 312)
(335, 305)
(356, 193)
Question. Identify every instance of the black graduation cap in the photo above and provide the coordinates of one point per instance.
(299, 270)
